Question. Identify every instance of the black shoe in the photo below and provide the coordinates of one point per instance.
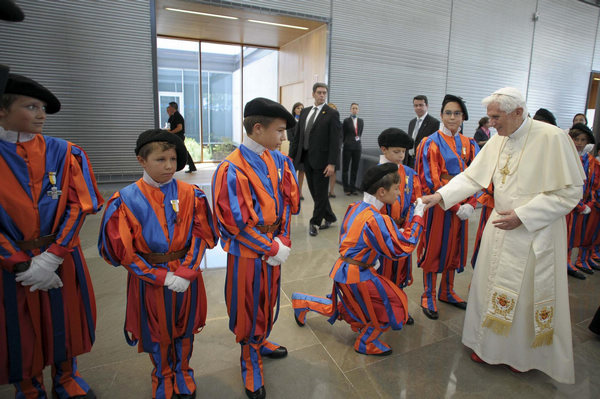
(312, 230)
(191, 171)
(260, 393)
(594, 266)
(301, 198)
(325, 225)
(432, 314)
(460, 305)
(298, 320)
(587, 271)
(277, 353)
(386, 353)
(576, 274)
(348, 193)
(410, 320)
(89, 395)
(331, 195)
(184, 395)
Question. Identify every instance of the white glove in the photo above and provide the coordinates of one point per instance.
(465, 211)
(179, 284)
(419, 208)
(271, 261)
(586, 210)
(169, 279)
(41, 274)
(377, 264)
(282, 253)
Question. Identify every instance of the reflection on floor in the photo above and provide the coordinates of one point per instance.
(428, 361)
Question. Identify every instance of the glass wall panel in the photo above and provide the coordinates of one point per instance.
(221, 96)
(178, 80)
(260, 73)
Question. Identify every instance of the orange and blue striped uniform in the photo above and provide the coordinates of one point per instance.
(593, 228)
(142, 219)
(444, 247)
(253, 192)
(486, 198)
(368, 301)
(48, 187)
(401, 211)
(582, 228)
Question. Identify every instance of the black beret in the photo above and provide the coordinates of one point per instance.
(584, 129)
(264, 107)
(3, 78)
(394, 137)
(376, 173)
(449, 98)
(544, 115)
(9, 11)
(153, 135)
(19, 84)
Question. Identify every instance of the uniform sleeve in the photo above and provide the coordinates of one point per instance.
(234, 211)
(474, 150)
(204, 236)
(116, 246)
(83, 198)
(428, 166)
(291, 200)
(385, 238)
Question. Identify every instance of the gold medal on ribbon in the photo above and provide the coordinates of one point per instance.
(52, 178)
(175, 205)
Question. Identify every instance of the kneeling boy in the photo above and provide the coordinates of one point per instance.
(369, 302)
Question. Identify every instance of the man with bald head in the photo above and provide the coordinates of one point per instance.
(518, 306)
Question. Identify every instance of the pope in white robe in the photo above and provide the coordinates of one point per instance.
(518, 306)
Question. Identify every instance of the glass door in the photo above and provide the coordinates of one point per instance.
(221, 99)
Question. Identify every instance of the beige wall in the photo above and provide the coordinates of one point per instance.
(302, 62)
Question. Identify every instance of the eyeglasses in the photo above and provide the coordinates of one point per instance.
(455, 113)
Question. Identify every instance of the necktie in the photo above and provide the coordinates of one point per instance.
(309, 126)
(417, 127)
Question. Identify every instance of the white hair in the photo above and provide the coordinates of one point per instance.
(508, 99)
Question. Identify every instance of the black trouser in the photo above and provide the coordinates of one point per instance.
(318, 185)
(350, 156)
(190, 161)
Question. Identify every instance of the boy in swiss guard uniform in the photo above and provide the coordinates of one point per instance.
(158, 229)
(443, 250)
(47, 305)
(394, 143)
(582, 222)
(368, 301)
(254, 195)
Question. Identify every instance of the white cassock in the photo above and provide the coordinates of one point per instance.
(518, 306)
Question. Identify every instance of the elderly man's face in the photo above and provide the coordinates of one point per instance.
(504, 123)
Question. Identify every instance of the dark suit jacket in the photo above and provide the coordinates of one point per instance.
(350, 142)
(429, 126)
(324, 140)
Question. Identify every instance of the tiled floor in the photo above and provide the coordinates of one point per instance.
(429, 360)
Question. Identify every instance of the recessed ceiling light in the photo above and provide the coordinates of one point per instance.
(276, 24)
(200, 13)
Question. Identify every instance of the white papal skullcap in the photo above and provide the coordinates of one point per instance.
(511, 92)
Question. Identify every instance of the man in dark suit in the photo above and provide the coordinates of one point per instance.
(317, 144)
(352, 128)
(420, 127)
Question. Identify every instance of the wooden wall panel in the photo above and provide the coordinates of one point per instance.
(304, 61)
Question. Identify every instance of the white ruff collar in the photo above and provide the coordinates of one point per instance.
(13, 137)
